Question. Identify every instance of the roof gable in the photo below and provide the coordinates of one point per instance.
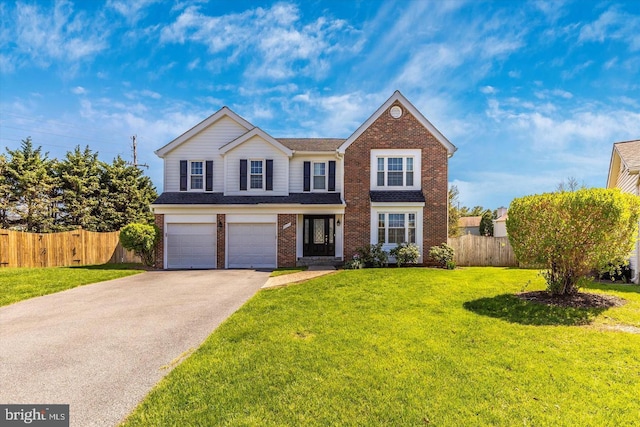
(218, 115)
(255, 132)
(627, 154)
(397, 96)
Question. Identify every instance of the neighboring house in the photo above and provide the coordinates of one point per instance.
(236, 197)
(500, 223)
(624, 173)
(469, 225)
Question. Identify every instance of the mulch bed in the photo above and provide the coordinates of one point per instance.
(579, 300)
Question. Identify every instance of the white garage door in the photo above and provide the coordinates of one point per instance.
(191, 246)
(252, 246)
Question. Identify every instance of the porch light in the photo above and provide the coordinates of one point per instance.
(220, 225)
(338, 222)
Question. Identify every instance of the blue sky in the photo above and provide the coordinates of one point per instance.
(531, 92)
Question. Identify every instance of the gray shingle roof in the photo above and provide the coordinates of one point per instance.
(630, 153)
(186, 198)
(311, 144)
(396, 196)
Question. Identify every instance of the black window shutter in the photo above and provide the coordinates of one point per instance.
(209, 175)
(269, 174)
(307, 176)
(243, 174)
(332, 175)
(183, 175)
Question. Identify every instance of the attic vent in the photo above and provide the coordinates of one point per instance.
(395, 112)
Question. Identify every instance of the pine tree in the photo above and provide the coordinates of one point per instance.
(35, 198)
(5, 193)
(80, 196)
(126, 196)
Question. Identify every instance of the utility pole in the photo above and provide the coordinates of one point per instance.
(135, 154)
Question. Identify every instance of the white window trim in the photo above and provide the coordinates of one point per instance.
(264, 175)
(388, 208)
(204, 177)
(416, 154)
(326, 177)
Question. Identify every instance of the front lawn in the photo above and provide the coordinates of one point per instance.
(409, 347)
(17, 284)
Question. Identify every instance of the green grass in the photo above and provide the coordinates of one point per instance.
(286, 270)
(408, 347)
(17, 284)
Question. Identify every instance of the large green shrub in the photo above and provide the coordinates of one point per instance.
(405, 253)
(572, 234)
(443, 255)
(141, 239)
(373, 255)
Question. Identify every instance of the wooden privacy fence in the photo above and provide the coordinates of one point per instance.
(473, 250)
(77, 247)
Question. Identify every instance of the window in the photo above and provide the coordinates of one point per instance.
(197, 176)
(256, 174)
(395, 172)
(396, 228)
(319, 176)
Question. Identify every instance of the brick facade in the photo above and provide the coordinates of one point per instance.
(220, 244)
(159, 221)
(386, 132)
(287, 240)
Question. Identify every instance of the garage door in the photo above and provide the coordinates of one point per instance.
(191, 246)
(252, 245)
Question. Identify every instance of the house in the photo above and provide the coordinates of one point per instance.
(236, 197)
(624, 173)
(469, 225)
(500, 223)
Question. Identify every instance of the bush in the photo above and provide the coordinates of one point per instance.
(574, 233)
(373, 255)
(141, 239)
(354, 264)
(443, 255)
(405, 253)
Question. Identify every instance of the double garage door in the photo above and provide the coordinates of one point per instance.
(249, 245)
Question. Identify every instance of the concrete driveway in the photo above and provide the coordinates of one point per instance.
(101, 348)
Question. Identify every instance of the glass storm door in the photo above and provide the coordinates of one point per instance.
(319, 235)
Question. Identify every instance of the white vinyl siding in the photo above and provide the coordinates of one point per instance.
(296, 172)
(255, 149)
(203, 146)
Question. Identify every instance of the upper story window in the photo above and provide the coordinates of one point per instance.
(395, 169)
(256, 174)
(196, 177)
(395, 172)
(319, 176)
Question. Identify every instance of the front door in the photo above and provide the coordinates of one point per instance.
(319, 235)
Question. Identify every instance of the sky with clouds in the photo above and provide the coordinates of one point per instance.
(531, 92)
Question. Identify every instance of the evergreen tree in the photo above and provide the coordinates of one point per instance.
(126, 196)
(80, 196)
(34, 200)
(5, 193)
(486, 224)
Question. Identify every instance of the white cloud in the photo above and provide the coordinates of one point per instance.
(613, 25)
(275, 41)
(488, 90)
(42, 36)
(131, 10)
(79, 90)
